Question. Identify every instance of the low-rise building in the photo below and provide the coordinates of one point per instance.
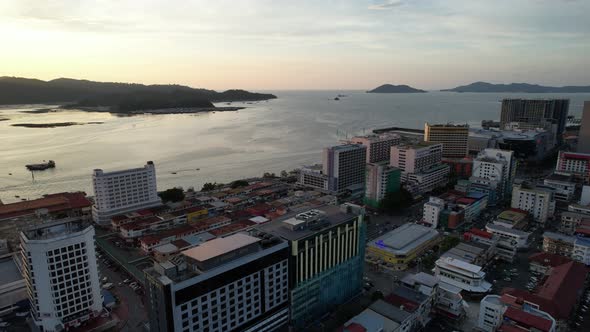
(570, 221)
(559, 244)
(468, 277)
(581, 252)
(12, 283)
(313, 176)
(564, 186)
(572, 163)
(544, 262)
(453, 208)
(397, 248)
(431, 211)
(509, 240)
(512, 218)
(473, 253)
(480, 236)
(498, 315)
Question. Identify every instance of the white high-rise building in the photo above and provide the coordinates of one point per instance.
(432, 210)
(539, 201)
(421, 165)
(344, 166)
(123, 191)
(378, 146)
(61, 274)
(493, 173)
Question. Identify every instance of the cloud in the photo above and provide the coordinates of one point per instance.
(386, 5)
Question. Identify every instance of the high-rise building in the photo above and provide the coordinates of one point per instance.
(235, 283)
(538, 200)
(327, 249)
(421, 166)
(378, 145)
(61, 274)
(313, 176)
(123, 191)
(453, 138)
(493, 173)
(381, 179)
(344, 166)
(550, 114)
(584, 134)
(576, 164)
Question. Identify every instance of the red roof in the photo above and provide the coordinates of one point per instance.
(221, 231)
(548, 259)
(527, 320)
(480, 233)
(53, 203)
(398, 301)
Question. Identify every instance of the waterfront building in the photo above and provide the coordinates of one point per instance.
(453, 138)
(378, 145)
(576, 164)
(380, 180)
(466, 276)
(550, 114)
(344, 165)
(397, 248)
(584, 133)
(313, 176)
(494, 171)
(119, 192)
(538, 200)
(326, 258)
(236, 283)
(421, 166)
(61, 274)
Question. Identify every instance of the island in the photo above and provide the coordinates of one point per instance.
(390, 88)
(119, 97)
(53, 124)
(517, 88)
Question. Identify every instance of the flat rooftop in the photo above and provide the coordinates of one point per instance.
(332, 216)
(404, 239)
(55, 229)
(10, 272)
(512, 215)
(220, 246)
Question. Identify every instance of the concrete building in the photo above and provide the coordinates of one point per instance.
(559, 244)
(236, 283)
(431, 211)
(528, 145)
(453, 138)
(496, 315)
(397, 248)
(576, 164)
(570, 221)
(344, 166)
(380, 180)
(535, 113)
(453, 208)
(463, 275)
(510, 240)
(564, 187)
(123, 191)
(461, 168)
(421, 165)
(584, 134)
(370, 321)
(15, 217)
(378, 145)
(326, 257)
(538, 200)
(513, 218)
(313, 176)
(61, 274)
(581, 251)
(473, 253)
(493, 173)
(585, 196)
(13, 288)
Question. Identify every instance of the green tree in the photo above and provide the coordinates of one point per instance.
(284, 174)
(208, 186)
(239, 183)
(396, 201)
(448, 243)
(172, 195)
(269, 175)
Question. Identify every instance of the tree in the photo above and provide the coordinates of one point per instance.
(269, 175)
(208, 186)
(448, 243)
(172, 195)
(396, 201)
(239, 183)
(284, 174)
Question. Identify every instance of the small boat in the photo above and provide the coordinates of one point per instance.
(336, 98)
(23, 199)
(41, 167)
(9, 173)
(173, 172)
(198, 169)
(16, 196)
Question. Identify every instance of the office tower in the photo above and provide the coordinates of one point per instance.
(380, 180)
(420, 166)
(453, 138)
(550, 114)
(378, 145)
(576, 164)
(493, 173)
(61, 274)
(584, 134)
(326, 257)
(538, 200)
(123, 191)
(344, 166)
(235, 283)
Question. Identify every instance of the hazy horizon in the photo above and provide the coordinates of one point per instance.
(303, 45)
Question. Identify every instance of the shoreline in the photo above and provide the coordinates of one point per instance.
(187, 110)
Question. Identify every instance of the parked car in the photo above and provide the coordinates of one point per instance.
(108, 285)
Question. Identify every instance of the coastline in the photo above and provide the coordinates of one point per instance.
(187, 110)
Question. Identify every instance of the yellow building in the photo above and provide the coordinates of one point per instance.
(401, 246)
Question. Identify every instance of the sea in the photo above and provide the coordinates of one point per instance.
(191, 149)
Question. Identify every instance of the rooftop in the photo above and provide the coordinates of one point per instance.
(10, 271)
(528, 319)
(220, 246)
(548, 259)
(559, 237)
(53, 203)
(385, 309)
(55, 229)
(499, 228)
(404, 239)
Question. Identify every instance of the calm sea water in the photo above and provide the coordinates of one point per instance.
(266, 136)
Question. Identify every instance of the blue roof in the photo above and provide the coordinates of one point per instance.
(107, 296)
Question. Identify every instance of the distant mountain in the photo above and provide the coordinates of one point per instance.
(390, 88)
(121, 96)
(517, 87)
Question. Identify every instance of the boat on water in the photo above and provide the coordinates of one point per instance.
(41, 166)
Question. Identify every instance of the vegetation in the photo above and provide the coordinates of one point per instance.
(238, 184)
(172, 195)
(268, 175)
(396, 201)
(448, 243)
(209, 186)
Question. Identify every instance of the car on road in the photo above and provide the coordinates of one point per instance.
(126, 281)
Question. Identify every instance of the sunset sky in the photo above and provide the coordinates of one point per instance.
(279, 44)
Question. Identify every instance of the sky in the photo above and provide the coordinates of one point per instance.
(298, 44)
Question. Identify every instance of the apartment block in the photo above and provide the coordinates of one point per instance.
(453, 138)
(378, 145)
